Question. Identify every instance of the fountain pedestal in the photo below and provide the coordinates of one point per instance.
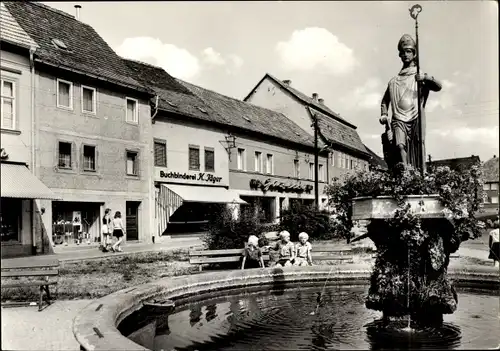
(410, 273)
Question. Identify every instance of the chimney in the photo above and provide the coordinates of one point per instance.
(287, 82)
(77, 8)
(315, 96)
(321, 101)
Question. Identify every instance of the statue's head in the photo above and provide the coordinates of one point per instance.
(407, 48)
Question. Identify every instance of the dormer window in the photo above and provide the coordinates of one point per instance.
(59, 44)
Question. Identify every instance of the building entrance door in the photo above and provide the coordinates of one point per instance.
(132, 221)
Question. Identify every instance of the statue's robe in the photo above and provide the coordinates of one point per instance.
(401, 95)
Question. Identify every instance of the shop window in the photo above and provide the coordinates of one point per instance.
(209, 160)
(64, 94)
(160, 153)
(10, 219)
(132, 166)
(8, 104)
(64, 155)
(258, 162)
(194, 158)
(241, 160)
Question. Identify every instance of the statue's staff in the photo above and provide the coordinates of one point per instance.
(414, 12)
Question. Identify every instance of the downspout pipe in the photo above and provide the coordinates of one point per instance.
(33, 147)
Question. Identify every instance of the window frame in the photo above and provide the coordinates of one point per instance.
(136, 112)
(13, 98)
(271, 172)
(209, 149)
(243, 165)
(136, 162)
(70, 107)
(164, 143)
(194, 147)
(296, 168)
(83, 158)
(321, 170)
(258, 165)
(94, 100)
(71, 161)
(311, 170)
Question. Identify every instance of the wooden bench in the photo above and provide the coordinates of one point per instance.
(31, 268)
(201, 257)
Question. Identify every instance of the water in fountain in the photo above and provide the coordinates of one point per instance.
(320, 295)
(281, 320)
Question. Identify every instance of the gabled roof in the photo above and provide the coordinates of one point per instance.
(250, 117)
(376, 160)
(309, 101)
(338, 133)
(12, 32)
(455, 163)
(172, 96)
(87, 53)
(490, 170)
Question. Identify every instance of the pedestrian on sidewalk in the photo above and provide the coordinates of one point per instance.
(106, 230)
(118, 231)
(494, 244)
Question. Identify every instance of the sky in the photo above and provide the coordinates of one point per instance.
(344, 51)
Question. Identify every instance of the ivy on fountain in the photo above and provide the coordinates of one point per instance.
(410, 272)
(458, 190)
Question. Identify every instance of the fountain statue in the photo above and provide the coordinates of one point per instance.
(413, 235)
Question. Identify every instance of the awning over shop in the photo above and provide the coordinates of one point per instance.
(17, 181)
(207, 194)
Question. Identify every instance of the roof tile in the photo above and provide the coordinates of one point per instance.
(337, 132)
(309, 100)
(87, 51)
(251, 117)
(11, 31)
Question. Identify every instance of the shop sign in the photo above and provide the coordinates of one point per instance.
(198, 176)
(3, 154)
(270, 185)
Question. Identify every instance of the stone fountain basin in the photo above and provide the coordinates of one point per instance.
(95, 327)
(384, 207)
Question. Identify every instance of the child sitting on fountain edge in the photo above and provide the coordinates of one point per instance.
(303, 251)
(252, 255)
(285, 249)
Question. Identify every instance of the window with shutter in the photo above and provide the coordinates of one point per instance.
(160, 154)
(194, 158)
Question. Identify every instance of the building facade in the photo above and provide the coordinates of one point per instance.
(191, 170)
(271, 159)
(93, 140)
(21, 227)
(347, 152)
